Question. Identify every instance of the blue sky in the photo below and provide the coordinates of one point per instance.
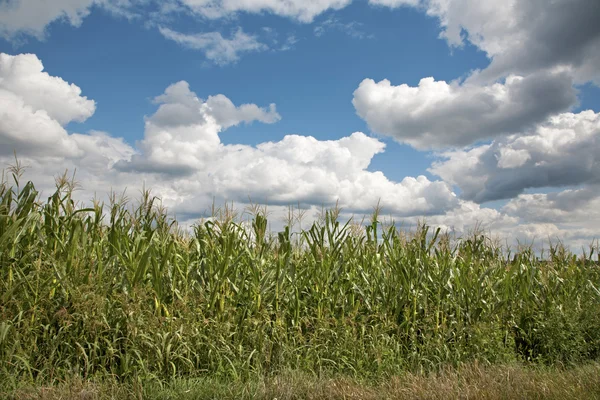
(501, 133)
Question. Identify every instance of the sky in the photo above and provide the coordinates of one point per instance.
(463, 113)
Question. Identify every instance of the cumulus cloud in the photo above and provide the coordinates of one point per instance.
(35, 107)
(182, 158)
(182, 137)
(562, 33)
(562, 151)
(32, 16)
(468, 216)
(62, 101)
(215, 47)
(572, 206)
(304, 170)
(571, 215)
(437, 114)
(521, 36)
(537, 49)
(182, 144)
(227, 114)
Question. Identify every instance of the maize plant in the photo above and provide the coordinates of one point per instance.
(119, 290)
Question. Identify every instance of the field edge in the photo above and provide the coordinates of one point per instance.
(513, 381)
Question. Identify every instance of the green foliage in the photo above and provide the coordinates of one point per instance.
(120, 291)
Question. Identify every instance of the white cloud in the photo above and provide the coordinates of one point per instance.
(353, 29)
(182, 144)
(32, 16)
(571, 215)
(34, 107)
(511, 158)
(289, 43)
(183, 135)
(521, 36)
(467, 216)
(25, 130)
(563, 151)
(184, 162)
(301, 10)
(182, 158)
(537, 49)
(571, 206)
(436, 114)
(215, 47)
(227, 114)
(24, 75)
(396, 3)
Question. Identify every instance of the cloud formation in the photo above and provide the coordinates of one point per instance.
(538, 51)
(572, 206)
(353, 29)
(35, 107)
(437, 114)
(521, 36)
(563, 151)
(19, 18)
(301, 10)
(31, 16)
(215, 47)
(182, 137)
(571, 215)
(183, 160)
(182, 142)
(181, 155)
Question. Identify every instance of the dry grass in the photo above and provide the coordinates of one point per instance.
(470, 382)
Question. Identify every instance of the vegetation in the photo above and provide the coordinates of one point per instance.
(117, 292)
(507, 382)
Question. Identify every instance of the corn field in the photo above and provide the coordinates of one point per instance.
(117, 290)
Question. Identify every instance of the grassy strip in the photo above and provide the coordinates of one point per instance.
(469, 382)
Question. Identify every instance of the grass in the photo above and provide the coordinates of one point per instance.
(118, 293)
(468, 382)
